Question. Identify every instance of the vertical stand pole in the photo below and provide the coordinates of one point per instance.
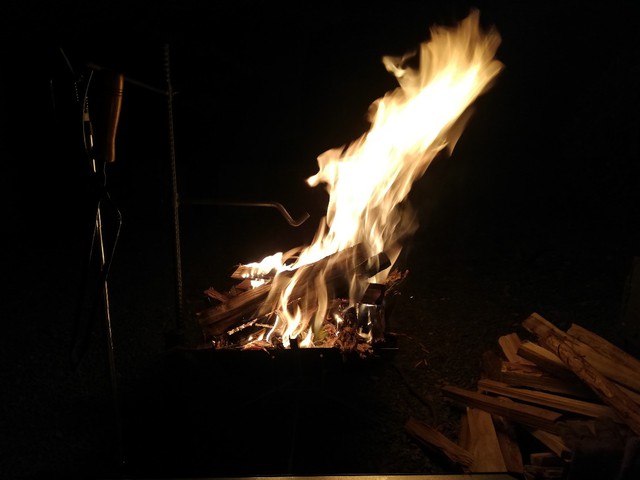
(175, 198)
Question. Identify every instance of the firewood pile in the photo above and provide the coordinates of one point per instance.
(565, 405)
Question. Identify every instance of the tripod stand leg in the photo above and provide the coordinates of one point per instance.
(110, 350)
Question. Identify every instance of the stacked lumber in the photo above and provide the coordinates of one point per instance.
(541, 404)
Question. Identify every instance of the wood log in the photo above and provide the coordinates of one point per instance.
(509, 344)
(483, 443)
(565, 347)
(547, 400)
(430, 437)
(529, 415)
(336, 271)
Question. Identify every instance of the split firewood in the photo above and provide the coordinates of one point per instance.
(535, 417)
(430, 437)
(510, 344)
(545, 360)
(612, 369)
(509, 446)
(335, 270)
(530, 376)
(553, 442)
(214, 294)
(571, 352)
(635, 396)
(604, 347)
(483, 443)
(221, 318)
(548, 400)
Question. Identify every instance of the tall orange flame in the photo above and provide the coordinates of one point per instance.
(368, 180)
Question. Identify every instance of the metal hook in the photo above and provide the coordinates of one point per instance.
(278, 206)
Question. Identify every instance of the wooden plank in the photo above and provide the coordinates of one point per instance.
(509, 344)
(483, 443)
(434, 439)
(547, 400)
(529, 415)
(570, 352)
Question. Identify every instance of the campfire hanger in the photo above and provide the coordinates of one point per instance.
(99, 149)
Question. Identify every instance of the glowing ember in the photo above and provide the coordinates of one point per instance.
(368, 182)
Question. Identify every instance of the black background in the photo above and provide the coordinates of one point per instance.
(547, 165)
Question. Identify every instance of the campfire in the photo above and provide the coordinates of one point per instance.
(332, 292)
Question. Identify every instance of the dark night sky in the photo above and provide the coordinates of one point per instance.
(263, 89)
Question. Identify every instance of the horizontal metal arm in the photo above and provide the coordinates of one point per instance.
(278, 206)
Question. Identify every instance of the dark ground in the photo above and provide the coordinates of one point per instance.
(537, 210)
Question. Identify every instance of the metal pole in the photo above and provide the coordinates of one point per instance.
(174, 194)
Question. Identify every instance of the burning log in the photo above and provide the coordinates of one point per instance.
(335, 270)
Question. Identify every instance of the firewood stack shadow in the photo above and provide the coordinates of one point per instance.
(560, 404)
